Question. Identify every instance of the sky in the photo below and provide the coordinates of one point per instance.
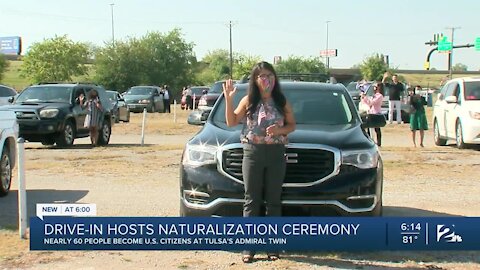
(266, 28)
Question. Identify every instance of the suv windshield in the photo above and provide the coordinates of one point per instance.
(140, 91)
(45, 94)
(472, 90)
(310, 106)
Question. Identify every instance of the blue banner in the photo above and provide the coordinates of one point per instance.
(261, 234)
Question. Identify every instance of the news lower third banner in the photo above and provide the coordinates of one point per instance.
(280, 233)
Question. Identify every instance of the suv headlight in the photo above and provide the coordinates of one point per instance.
(363, 159)
(48, 113)
(475, 115)
(198, 155)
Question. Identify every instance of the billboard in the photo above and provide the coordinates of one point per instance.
(10, 45)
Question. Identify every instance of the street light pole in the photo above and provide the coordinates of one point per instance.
(231, 52)
(450, 53)
(326, 48)
(113, 31)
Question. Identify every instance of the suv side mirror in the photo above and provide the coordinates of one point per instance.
(451, 99)
(10, 99)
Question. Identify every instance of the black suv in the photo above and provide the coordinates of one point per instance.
(333, 167)
(51, 113)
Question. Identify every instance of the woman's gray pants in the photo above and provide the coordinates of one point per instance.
(263, 171)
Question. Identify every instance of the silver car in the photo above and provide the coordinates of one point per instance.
(6, 93)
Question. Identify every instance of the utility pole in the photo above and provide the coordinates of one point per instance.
(113, 31)
(450, 53)
(231, 52)
(326, 47)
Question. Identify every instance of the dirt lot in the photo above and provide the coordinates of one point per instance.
(126, 179)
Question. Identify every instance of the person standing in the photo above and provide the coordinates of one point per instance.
(269, 119)
(375, 108)
(395, 92)
(166, 99)
(418, 118)
(93, 120)
(189, 100)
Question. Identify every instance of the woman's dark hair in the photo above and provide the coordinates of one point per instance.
(92, 94)
(381, 88)
(413, 90)
(254, 95)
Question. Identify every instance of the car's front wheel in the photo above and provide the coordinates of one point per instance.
(459, 136)
(436, 135)
(67, 136)
(5, 173)
(104, 133)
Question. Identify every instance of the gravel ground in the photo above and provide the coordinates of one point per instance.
(126, 179)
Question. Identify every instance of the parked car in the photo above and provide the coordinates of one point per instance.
(456, 114)
(199, 116)
(140, 97)
(6, 94)
(51, 113)
(333, 167)
(404, 108)
(120, 111)
(354, 92)
(197, 92)
(8, 149)
(207, 101)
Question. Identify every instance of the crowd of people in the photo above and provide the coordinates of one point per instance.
(416, 107)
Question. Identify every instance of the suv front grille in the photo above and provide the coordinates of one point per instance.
(26, 115)
(303, 165)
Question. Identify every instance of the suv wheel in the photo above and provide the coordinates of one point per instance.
(66, 137)
(436, 135)
(105, 132)
(5, 173)
(153, 109)
(459, 136)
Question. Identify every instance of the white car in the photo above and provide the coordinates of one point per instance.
(456, 114)
(8, 149)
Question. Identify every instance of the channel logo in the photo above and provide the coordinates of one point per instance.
(447, 234)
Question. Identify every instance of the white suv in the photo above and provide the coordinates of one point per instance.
(8, 150)
(456, 114)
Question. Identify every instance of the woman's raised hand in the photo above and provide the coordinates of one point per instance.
(229, 89)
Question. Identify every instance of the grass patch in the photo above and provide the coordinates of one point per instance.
(11, 76)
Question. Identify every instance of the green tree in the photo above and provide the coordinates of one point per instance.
(243, 64)
(3, 65)
(55, 59)
(216, 67)
(297, 64)
(154, 59)
(373, 67)
(300, 68)
(459, 67)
